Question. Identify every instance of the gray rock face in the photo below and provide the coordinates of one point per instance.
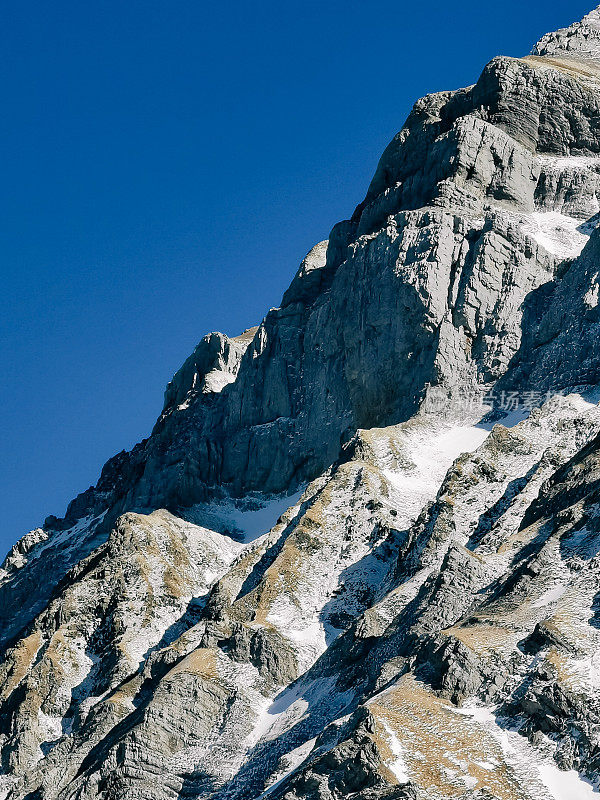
(213, 365)
(333, 569)
(580, 41)
(561, 345)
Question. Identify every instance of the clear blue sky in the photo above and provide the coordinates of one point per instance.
(166, 165)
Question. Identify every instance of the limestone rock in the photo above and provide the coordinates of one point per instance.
(580, 41)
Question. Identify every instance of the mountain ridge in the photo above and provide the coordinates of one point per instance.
(358, 554)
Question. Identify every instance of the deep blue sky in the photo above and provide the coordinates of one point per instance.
(166, 165)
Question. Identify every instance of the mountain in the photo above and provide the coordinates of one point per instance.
(359, 554)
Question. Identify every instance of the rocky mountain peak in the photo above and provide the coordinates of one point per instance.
(359, 554)
(212, 366)
(580, 41)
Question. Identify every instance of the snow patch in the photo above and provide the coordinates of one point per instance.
(528, 762)
(52, 726)
(398, 766)
(550, 596)
(285, 711)
(307, 634)
(591, 297)
(247, 519)
(586, 671)
(566, 785)
(562, 163)
(289, 763)
(558, 234)
(432, 450)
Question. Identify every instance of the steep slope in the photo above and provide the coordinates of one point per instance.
(358, 554)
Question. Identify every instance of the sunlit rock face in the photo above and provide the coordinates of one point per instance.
(358, 556)
(581, 41)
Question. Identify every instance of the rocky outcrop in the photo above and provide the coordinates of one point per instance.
(581, 41)
(560, 347)
(358, 554)
(213, 365)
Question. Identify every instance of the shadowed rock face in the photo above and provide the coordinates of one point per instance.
(561, 344)
(311, 582)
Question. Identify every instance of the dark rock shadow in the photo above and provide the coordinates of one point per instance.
(197, 784)
(190, 617)
(594, 620)
(490, 516)
(373, 571)
(583, 539)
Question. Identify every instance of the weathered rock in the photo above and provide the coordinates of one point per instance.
(213, 365)
(581, 41)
